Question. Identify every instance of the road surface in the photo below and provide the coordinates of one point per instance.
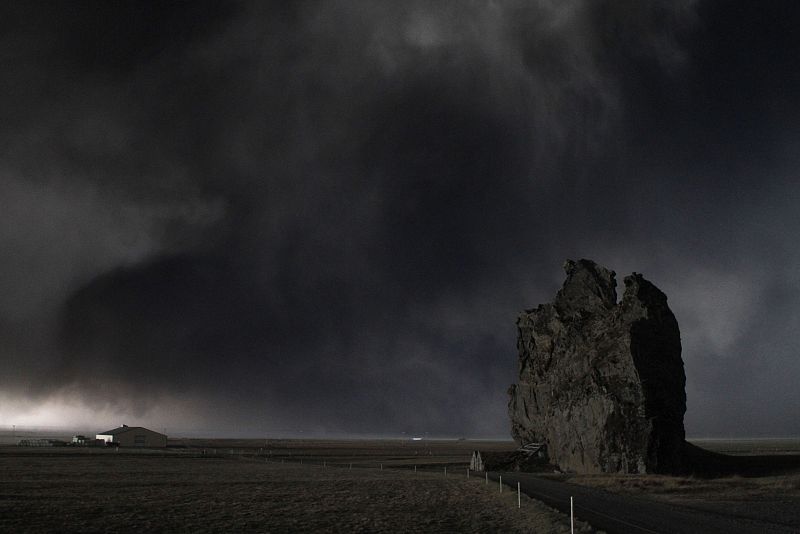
(623, 514)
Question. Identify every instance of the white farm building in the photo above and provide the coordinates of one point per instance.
(133, 436)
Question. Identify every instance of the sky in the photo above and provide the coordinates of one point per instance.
(323, 218)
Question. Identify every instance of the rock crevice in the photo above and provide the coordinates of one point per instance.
(601, 383)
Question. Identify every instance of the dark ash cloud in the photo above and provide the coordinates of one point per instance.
(325, 216)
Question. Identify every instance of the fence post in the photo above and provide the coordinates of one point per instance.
(501, 483)
(487, 477)
(467, 472)
(519, 497)
(571, 518)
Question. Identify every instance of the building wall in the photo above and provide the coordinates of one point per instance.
(138, 437)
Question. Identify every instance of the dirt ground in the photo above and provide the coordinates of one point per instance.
(208, 489)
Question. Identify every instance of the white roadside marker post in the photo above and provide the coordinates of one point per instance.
(571, 518)
(381, 467)
(501, 483)
(519, 497)
(415, 469)
(487, 477)
(324, 464)
(445, 472)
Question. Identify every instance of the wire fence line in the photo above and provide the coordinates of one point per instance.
(450, 469)
(426, 469)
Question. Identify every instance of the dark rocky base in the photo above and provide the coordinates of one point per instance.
(516, 461)
(702, 463)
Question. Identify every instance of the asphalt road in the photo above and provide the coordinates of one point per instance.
(620, 514)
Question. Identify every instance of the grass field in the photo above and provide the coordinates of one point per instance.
(771, 488)
(238, 485)
(227, 486)
(750, 446)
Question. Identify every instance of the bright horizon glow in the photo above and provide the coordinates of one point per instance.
(63, 412)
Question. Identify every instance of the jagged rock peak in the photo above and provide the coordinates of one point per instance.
(588, 287)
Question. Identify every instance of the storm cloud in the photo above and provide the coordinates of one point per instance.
(325, 216)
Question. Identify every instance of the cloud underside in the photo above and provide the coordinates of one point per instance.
(326, 216)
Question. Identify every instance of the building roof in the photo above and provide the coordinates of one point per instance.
(122, 429)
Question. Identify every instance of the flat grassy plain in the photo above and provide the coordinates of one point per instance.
(751, 446)
(261, 486)
(768, 488)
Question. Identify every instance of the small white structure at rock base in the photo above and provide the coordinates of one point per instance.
(476, 462)
(133, 436)
(527, 456)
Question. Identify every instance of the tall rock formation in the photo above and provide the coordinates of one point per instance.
(601, 383)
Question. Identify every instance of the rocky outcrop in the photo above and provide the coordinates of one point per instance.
(601, 383)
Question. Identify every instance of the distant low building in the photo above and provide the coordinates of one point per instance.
(133, 436)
